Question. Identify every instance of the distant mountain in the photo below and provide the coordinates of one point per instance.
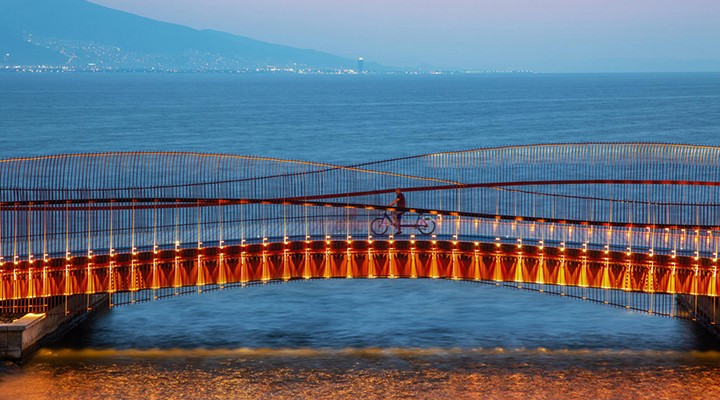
(78, 33)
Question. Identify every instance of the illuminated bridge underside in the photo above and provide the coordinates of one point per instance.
(193, 270)
(626, 224)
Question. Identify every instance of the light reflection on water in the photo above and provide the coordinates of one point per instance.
(370, 373)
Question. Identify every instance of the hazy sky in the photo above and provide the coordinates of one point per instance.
(543, 35)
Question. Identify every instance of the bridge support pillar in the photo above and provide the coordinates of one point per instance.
(703, 309)
(22, 337)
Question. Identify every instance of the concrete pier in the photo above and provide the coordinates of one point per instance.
(23, 336)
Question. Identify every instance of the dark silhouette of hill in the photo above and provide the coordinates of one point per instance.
(78, 33)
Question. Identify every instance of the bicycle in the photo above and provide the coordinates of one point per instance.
(424, 223)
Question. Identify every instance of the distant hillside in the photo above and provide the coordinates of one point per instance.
(78, 33)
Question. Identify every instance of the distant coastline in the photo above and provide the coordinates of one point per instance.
(242, 71)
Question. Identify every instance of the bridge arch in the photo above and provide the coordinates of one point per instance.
(633, 217)
(571, 275)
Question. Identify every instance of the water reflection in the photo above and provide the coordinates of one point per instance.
(371, 373)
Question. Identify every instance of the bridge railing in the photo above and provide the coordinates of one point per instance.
(37, 233)
(630, 183)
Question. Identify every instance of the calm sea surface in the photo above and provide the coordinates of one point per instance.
(362, 338)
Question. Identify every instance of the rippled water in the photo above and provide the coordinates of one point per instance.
(368, 373)
(362, 338)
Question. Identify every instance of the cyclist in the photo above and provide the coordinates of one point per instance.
(397, 214)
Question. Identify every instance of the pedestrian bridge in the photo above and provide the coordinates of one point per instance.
(633, 225)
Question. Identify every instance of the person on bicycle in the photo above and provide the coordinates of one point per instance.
(397, 214)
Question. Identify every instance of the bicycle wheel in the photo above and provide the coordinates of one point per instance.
(378, 226)
(426, 226)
